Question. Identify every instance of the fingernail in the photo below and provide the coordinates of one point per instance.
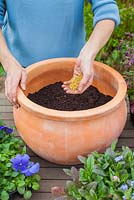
(14, 99)
(79, 89)
(23, 87)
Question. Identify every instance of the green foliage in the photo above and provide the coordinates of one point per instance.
(88, 20)
(11, 180)
(2, 72)
(108, 175)
(114, 52)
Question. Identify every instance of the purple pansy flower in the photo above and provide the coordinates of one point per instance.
(20, 162)
(6, 129)
(117, 159)
(33, 169)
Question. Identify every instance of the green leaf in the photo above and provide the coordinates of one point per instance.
(10, 186)
(35, 186)
(113, 145)
(8, 165)
(27, 195)
(37, 177)
(92, 185)
(4, 195)
(115, 55)
(99, 172)
(109, 154)
(68, 172)
(21, 190)
(93, 195)
(14, 174)
(8, 173)
(105, 166)
(132, 172)
(83, 175)
(90, 163)
(21, 183)
(124, 177)
(82, 159)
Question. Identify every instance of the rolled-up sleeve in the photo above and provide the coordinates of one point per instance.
(105, 9)
(2, 12)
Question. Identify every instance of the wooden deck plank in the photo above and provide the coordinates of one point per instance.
(4, 102)
(53, 174)
(46, 185)
(36, 196)
(6, 109)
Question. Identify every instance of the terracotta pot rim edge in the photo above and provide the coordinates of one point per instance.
(74, 115)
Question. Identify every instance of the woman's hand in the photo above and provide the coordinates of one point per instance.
(15, 75)
(84, 65)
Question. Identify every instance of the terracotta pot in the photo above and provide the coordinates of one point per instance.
(60, 136)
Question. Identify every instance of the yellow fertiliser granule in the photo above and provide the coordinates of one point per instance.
(75, 82)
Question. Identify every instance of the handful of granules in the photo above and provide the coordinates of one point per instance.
(75, 82)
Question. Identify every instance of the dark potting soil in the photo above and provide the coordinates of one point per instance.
(53, 96)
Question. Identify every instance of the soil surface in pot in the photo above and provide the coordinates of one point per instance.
(54, 97)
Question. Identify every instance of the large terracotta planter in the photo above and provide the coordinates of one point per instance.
(60, 136)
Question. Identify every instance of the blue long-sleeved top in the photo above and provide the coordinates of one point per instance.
(37, 30)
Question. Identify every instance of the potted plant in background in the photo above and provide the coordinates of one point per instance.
(124, 57)
(106, 176)
(121, 57)
(17, 172)
(127, 55)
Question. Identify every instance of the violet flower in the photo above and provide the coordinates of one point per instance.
(6, 129)
(132, 106)
(124, 187)
(124, 197)
(20, 162)
(131, 183)
(133, 196)
(33, 169)
(119, 158)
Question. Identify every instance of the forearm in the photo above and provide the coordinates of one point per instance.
(98, 38)
(4, 51)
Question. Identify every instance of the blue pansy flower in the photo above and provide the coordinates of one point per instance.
(6, 129)
(119, 158)
(124, 187)
(124, 197)
(20, 162)
(32, 169)
(131, 183)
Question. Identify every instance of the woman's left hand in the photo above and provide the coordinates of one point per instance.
(84, 65)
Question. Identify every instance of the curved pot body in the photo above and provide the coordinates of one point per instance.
(60, 136)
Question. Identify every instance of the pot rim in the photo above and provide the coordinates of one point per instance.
(74, 115)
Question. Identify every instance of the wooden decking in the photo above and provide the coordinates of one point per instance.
(52, 174)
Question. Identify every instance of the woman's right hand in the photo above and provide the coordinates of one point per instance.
(16, 75)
